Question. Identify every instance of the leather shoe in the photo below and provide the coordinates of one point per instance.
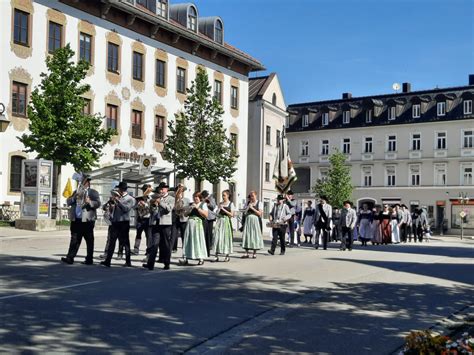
(147, 267)
(166, 267)
(127, 265)
(67, 261)
(282, 253)
(104, 263)
(271, 252)
(87, 262)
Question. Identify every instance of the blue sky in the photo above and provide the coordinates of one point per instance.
(321, 48)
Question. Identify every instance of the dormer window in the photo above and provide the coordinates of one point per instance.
(219, 32)
(467, 107)
(392, 113)
(368, 116)
(162, 8)
(346, 117)
(192, 19)
(325, 118)
(441, 108)
(416, 110)
(305, 120)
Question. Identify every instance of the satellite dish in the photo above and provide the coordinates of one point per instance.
(396, 86)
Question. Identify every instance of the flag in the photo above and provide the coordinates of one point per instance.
(67, 189)
(284, 174)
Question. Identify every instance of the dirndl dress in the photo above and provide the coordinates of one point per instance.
(222, 236)
(194, 244)
(252, 235)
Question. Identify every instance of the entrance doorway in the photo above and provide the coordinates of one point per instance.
(367, 200)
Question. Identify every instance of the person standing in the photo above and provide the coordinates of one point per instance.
(402, 226)
(336, 229)
(385, 226)
(161, 235)
(211, 217)
(396, 219)
(291, 203)
(308, 221)
(347, 222)
(142, 218)
(323, 222)
(279, 217)
(223, 229)
(376, 228)
(82, 214)
(252, 235)
(422, 223)
(364, 222)
(179, 217)
(120, 227)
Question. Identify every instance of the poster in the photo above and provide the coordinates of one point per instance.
(31, 174)
(45, 175)
(29, 204)
(44, 204)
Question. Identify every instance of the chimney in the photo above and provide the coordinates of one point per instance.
(406, 87)
(346, 95)
(471, 79)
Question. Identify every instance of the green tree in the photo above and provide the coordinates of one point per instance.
(337, 187)
(59, 129)
(197, 142)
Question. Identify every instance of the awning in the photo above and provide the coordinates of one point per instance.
(130, 172)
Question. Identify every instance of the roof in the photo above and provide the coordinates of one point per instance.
(258, 86)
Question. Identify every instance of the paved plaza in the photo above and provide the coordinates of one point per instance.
(308, 301)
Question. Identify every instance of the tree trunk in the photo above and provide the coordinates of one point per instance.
(58, 194)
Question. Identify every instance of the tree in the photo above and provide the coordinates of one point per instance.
(197, 143)
(337, 187)
(59, 129)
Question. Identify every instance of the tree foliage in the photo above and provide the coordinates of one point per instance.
(59, 129)
(337, 187)
(197, 142)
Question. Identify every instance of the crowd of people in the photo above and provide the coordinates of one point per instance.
(164, 216)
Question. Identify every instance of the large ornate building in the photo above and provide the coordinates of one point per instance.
(144, 54)
(415, 148)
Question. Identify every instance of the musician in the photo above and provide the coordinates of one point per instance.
(109, 208)
(347, 222)
(179, 217)
(161, 236)
(142, 217)
(82, 214)
(120, 227)
(252, 234)
(291, 203)
(279, 217)
(322, 222)
(211, 217)
(222, 243)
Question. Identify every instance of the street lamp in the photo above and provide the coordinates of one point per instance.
(4, 122)
(463, 201)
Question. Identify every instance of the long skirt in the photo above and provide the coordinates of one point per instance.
(222, 236)
(386, 230)
(395, 231)
(252, 234)
(376, 232)
(194, 244)
(365, 231)
(308, 225)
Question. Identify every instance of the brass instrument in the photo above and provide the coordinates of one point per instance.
(109, 207)
(143, 208)
(179, 207)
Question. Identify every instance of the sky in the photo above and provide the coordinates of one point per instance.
(322, 48)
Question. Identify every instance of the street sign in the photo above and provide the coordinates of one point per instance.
(462, 214)
(145, 166)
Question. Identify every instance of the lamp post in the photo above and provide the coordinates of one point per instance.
(463, 201)
(4, 121)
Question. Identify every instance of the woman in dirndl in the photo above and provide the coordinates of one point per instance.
(222, 244)
(376, 230)
(252, 239)
(385, 226)
(308, 221)
(364, 223)
(194, 244)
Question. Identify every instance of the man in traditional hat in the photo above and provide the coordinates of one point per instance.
(142, 218)
(322, 222)
(82, 214)
(161, 233)
(291, 203)
(279, 217)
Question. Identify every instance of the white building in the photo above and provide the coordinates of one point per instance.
(415, 148)
(267, 113)
(144, 54)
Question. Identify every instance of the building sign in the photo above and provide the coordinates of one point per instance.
(133, 157)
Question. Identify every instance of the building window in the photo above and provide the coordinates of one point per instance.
(148, 4)
(266, 209)
(219, 32)
(15, 173)
(218, 91)
(441, 108)
(440, 140)
(274, 99)
(467, 104)
(323, 174)
(55, 36)
(304, 148)
(85, 47)
(112, 57)
(346, 146)
(268, 135)
(137, 66)
(466, 174)
(468, 139)
(366, 176)
(278, 137)
(234, 143)
(415, 175)
(19, 91)
(160, 74)
(192, 19)
(416, 141)
(368, 145)
(20, 31)
(112, 116)
(440, 174)
(162, 8)
(234, 97)
(416, 111)
(392, 113)
(325, 118)
(325, 147)
(287, 122)
(87, 109)
(390, 172)
(160, 128)
(305, 120)
(368, 116)
(267, 172)
(137, 124)
(346, 117)
(392, 143)
(181, 80)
